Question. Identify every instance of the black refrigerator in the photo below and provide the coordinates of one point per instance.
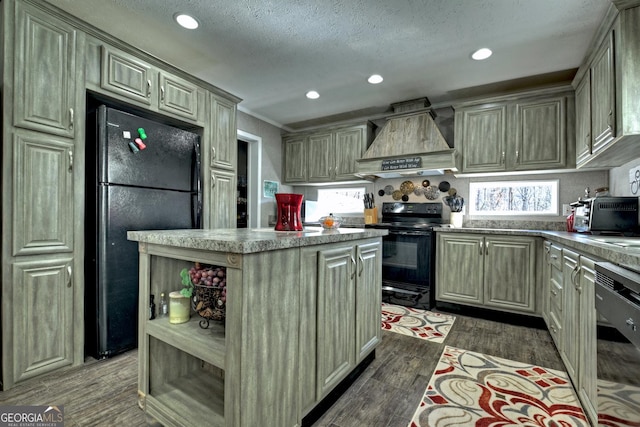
(140, 175)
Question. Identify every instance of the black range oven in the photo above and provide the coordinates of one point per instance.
(617, 299)
(408, 253)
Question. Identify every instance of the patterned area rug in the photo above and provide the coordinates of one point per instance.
(421, 324)
(472, 389)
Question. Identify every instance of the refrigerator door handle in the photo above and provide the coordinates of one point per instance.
(198, 207)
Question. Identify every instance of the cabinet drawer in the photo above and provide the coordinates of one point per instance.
(555, 329)
(555, 257)
(555, 297)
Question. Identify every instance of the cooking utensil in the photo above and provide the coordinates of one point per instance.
(407, 187)
(388, 189)
(397, 195)
(444, 186)
(431, 192)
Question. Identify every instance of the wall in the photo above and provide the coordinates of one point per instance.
(620, 183)
(571, 186)
(271, 158)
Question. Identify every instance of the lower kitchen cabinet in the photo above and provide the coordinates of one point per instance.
(572, 320)
(43, 328)
(569, 351)
(340, 314)
(496, 271)
(553, 292)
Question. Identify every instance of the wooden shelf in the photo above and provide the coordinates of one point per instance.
(196, 399)
(206, 344)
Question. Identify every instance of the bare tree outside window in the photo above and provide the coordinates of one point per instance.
(514, 198)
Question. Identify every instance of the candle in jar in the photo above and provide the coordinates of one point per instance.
(179, 309)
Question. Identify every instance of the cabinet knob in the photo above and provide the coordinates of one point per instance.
(502, 158)
(517, 156)
(162, 94)
(361, 261)
(481, 247)
(71, 119)
(554, 292)
(149, 88)
(353, 263)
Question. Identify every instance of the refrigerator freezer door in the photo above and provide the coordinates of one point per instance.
(116, 283)
(167, 161)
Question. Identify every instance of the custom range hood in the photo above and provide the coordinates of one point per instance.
(409, 144)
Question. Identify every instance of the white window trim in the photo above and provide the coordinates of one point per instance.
(554, 210)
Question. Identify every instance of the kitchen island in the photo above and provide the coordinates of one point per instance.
(292, 333)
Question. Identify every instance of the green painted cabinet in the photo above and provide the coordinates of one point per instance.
(572, 320)
(481, 132)
(569, 351)
(336, 317)
(609, 116)
(45, 78)
(295, 159)
(133, 78)
(325, 155)
(496, 271)
(340, 314)
(522, 132)
(43, 333)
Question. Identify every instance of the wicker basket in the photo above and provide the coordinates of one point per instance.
(208, 303)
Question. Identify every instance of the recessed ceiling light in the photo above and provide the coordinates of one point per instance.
(312, 94)
(186, 21)
(481, 54)
(375, 79)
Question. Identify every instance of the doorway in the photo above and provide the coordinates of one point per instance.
(242, 213)
(249, 167)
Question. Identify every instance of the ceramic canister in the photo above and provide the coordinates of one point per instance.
(179, 308)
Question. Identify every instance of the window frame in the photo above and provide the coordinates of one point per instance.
(555, 197)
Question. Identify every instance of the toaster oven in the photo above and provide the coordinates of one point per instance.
(607, 215)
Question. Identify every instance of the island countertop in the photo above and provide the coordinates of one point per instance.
(251, 240)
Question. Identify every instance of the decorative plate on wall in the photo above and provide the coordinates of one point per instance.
(388, 189)
(397, 195)
(431, 192)
(407, 187)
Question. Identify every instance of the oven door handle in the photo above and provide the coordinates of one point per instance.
(408, 233)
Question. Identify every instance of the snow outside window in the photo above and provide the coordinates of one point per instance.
(338, 201)
(514, 198)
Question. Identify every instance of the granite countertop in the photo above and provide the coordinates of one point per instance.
(624, 251)
(250, 240)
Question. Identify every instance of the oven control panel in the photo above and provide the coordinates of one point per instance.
(431, 209)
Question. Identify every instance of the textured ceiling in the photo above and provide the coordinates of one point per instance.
(270, 53)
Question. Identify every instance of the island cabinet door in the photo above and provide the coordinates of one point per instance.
(336, 317)
(368, 298)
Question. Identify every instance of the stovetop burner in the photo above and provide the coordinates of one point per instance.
(398, 215)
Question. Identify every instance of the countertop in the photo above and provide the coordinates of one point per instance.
(250, 240)
(624, 251)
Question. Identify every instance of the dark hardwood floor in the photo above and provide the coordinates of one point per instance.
(104, 393)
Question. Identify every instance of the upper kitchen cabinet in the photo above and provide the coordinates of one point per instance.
(295, 159)
(44, 72)
(607, 91)
(334, 152)
(481, 132)
(135, 79)
(520, 132)
(43, 210)
(224, 144)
